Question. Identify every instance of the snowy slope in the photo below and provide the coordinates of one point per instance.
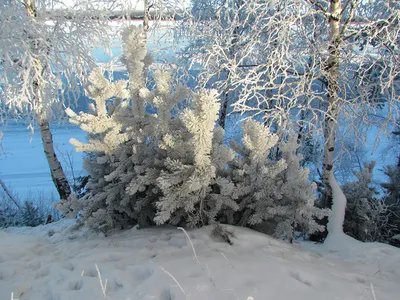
(59, 262)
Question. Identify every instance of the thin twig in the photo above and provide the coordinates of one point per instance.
(227, 260)
(12, 296)
(8, 192)
(373, 291)
(103, 286)
(190, 241)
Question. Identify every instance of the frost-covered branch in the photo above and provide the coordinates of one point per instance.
(56, 55)
(279, 68)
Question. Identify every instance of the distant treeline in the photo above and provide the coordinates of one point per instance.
(115, 15)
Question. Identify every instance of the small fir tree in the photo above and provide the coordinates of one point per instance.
(392, 186)
(274, 195)
(392, 196)
(30, 215)
(132, 152)
(366, 216)
(187, 181)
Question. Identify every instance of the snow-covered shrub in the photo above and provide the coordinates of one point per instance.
(187, 183)
(392, 198)
(32, 212)
(274, 193)
(148, 167)
(223, 234)
(9, 215)
(114, 138)
(392, 186)
(31, 216)
(366, 217)
(155, 156)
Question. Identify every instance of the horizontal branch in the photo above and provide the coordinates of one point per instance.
(319, 5)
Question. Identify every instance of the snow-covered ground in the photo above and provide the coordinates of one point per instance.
(58, 261)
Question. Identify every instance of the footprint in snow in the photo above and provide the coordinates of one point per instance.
(6, 274)
(297, 276)
(89, 272)
(27, 258)
(148, 251)
(114, 285)
(114, 257)
(165, 237)
(42, 250)
(68, 266)
(177, 242)
(360, 279)
(141, 273)
(44, 272)
(152, 239)
(58, 255)
(75, 285)
(149, 247)
(195, 274)
(51, 295)
(35, 265)
(166, 294)
(152, 254)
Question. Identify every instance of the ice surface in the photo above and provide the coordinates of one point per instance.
(23, 166)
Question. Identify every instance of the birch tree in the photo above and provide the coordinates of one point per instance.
(44, 55)
(317, 64)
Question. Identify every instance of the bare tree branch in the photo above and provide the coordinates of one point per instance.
(9, 194)
(353, 7)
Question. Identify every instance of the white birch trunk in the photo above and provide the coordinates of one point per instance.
(336, 219)
(146, 16)
(336, 196)
(57, 173)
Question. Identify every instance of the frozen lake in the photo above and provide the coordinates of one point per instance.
(23, 166)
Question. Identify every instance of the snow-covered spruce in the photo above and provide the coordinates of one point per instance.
(367, 217)
(189, 177)
(392, 199)
(172, 166)
(274, 194)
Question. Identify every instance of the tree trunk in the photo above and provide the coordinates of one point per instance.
(30, 6)
(57, 173)
(224, 106)
(225, 102)
(146, 16)
(332, 73)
